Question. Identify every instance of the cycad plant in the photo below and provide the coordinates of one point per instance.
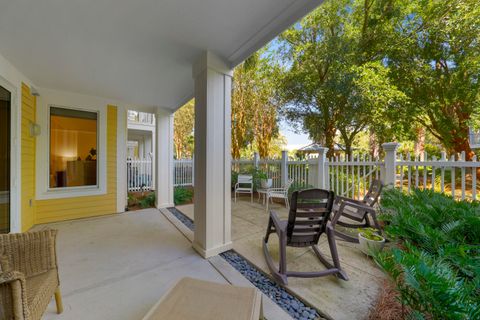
(435, 261)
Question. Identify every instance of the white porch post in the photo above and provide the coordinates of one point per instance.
(164, 159)
(390, 164)
(122, 183)
(212, 161)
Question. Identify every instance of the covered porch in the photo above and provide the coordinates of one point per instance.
(335, 298)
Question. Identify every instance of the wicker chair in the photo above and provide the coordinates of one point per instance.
(28, 274)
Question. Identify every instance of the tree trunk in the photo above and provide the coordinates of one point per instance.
(373, 144)
(330, 141)
(419, 147)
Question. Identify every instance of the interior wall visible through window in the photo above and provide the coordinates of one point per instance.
(73, 148)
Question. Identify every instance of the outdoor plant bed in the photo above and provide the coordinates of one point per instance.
(140, 200)
(285, 300)
(434, 260)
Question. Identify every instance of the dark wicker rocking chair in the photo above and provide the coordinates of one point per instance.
(358, 210)
(307, 221)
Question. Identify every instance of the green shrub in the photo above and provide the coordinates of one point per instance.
(182, 195)
(148, 201)
(435, 261)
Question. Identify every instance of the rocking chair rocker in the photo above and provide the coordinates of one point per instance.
(307, 221)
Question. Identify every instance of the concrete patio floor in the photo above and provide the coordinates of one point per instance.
(336, 298)
(117, 267)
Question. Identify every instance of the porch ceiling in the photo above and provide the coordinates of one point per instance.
(141, 51)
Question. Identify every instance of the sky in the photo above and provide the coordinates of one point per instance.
(294, 140)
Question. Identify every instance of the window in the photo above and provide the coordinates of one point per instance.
(73, 148)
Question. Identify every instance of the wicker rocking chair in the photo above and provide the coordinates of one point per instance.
(28, 275)
(307, 221)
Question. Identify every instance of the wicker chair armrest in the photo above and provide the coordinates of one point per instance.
(13, 296)
(11, 276)
(280, 226)
(276, 190)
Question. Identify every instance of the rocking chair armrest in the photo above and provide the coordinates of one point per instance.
(350, 204)
(339, 199)
(280, 226)
(359, 206)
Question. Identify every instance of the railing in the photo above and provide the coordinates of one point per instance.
(351, 177)
(183, 173)
(454, 177)
(141, 117)
(139, 174)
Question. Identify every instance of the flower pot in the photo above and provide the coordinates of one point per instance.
(266, 183)
(369, 246)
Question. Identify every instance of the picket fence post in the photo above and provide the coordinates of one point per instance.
(284, 168)
(390, 164)
(322, 169)
(256, 160)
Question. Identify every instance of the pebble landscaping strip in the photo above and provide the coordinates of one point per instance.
(285, 300)
(293, 306)
(183, 218)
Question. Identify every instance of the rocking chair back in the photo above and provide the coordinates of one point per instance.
(308, 216)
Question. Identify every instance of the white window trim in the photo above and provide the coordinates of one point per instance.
(15, 218)
(44, 192)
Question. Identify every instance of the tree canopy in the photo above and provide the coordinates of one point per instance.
(386, 66)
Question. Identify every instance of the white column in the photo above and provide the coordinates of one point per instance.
(121, 159)
(390, 164)
(212, 161)
(322, 170)
(164, 159)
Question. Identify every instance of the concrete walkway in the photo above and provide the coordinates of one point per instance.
(117, 267)
(336, 298)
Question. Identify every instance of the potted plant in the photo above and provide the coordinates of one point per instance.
(370, 241)
(265, 182)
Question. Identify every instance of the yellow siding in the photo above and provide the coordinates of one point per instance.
(28, 160)
(83, 207)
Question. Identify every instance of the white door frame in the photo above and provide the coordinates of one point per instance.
(15, 219)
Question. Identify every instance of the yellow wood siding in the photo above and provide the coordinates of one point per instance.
(83, 207)
(28, 160)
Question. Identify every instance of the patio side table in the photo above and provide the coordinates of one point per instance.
(262, 193)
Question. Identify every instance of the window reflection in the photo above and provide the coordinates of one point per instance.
(73, 148)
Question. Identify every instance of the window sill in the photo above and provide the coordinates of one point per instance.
(72, 192)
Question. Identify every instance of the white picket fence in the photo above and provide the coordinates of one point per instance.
(183, 174)
(139, 174)
(452, 176)
(351, 177)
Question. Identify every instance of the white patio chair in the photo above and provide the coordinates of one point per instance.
(279, 193)
(244, 185)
